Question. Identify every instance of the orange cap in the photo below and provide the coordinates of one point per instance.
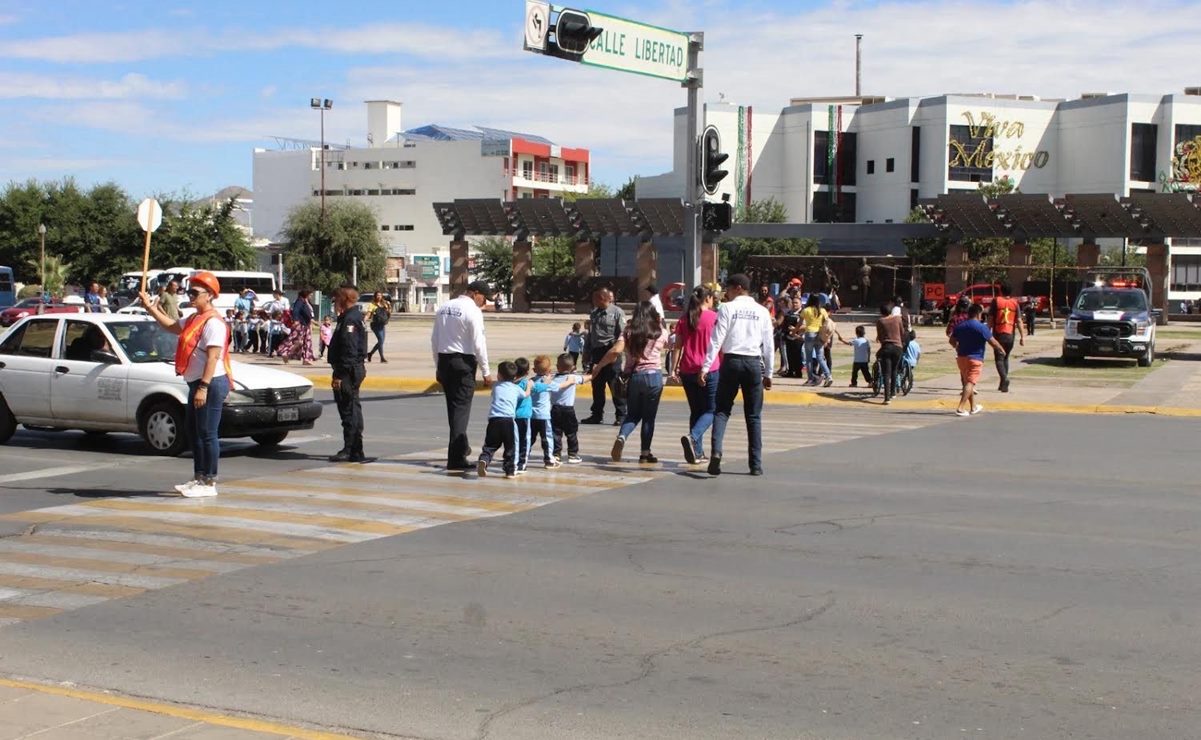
(206, 280)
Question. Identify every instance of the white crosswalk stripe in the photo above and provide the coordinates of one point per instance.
(77, 555)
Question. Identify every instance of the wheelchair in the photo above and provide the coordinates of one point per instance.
(904, 381)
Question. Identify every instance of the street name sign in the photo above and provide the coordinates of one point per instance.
(629, 46)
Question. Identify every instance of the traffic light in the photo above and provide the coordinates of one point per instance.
(717, 217)
(574, 32)
(712, 158)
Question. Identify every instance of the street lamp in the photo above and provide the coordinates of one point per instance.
(42, 240)
(322, 105)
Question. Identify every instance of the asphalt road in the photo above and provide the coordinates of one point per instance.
(894, 575)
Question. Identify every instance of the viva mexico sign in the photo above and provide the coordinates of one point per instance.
(987, 145)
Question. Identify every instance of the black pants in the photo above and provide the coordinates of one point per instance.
(501, 432)
(861, 367)
(541, 430)
(795, 349)
(523, 441)
(252, 341)
(350, 408)
(456, 374)
(890, 358)
(740, 373)
(575, 358)
(1002, 360)
(563, 422)
(606, 378)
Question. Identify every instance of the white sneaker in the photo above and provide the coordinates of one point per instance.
(977, 409)
(574, 459)
(183, 487)
(961, 412)
(201, 490)
(554, 463)
(481, 469)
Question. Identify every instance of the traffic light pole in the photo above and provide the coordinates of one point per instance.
(693, 188)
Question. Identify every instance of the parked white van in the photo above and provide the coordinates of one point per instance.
(233, 281)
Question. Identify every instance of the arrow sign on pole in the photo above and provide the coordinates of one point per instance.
(150, 217)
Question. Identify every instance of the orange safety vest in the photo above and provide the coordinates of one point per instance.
(1005, 313)
(189, 339)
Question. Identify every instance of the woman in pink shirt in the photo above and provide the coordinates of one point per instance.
(643, 343)
(694, 332)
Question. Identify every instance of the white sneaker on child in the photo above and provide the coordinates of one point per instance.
(200, 490)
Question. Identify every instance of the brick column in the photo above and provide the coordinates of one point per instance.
(956, 275)
(1158, 264)
(1088, 254)
(709, 262)
(1019, 267)
(523, 258)
(647, 266)
(585, 268)
(458, 267)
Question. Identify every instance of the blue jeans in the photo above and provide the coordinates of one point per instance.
(815, 357)
(203, 425)
(642, 405)
(702, 404)
(740, 373)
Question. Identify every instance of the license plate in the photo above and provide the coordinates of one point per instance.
(1104, 347)
(287, 414)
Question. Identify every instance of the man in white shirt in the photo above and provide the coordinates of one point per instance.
(654, 299)
(744, 335)
(460, 349)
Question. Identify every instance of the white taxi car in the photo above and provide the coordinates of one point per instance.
(116, 373)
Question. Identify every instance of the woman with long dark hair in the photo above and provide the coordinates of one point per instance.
(643, 342)
(694, 332)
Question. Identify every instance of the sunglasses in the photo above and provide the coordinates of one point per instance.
(194, 292)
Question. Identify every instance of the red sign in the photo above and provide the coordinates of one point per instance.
(935, 291)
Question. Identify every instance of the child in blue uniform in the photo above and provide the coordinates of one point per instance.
(525, 409)
(502, 427)
(562, 410)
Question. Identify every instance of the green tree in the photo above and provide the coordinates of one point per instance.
(494, 263)
(595, 190)
(321, 256)
(57, 273)
(554, 256)
(770, 211)
(627, 191)
(926, 251)
(202, 234)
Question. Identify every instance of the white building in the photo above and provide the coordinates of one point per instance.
(400, 175)
(892, 152)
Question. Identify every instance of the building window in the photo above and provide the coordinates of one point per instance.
(1186, 272)
(527, 170)
(967, 155)
(569, 172)
(912, 198)
(403, 227)
(1186, 132)
(404, 191)
(372, 192)
(1143, 140)
(871, 166)
(890, 165)
(848, 158)
(821, 157)
(370, 165)
(355, 192)
(827, 210)
(554, 173)
(915, 155)
(384, 227)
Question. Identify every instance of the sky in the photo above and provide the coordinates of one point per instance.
(172, 96)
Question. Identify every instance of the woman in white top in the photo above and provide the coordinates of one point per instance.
(202, 358)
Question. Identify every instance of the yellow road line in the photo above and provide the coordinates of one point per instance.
(18, 611)
(315, 520)
(431, 498)
(102, 566)
(174, 710)
(37, 583)
(207, 532)
(147, 549)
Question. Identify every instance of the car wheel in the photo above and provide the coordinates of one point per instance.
(269, 440)
(1148, 357)
(163, 428)
(8, 422)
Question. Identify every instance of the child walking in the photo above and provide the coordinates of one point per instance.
(327, 333)
(502, 429)
(562, 409)
(862, 350)
(525, 412)
(540, 424)
(573, 344)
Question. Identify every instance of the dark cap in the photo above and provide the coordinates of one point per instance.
(742, 281)
(480, 286)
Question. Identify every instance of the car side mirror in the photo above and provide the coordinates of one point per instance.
(104, 356)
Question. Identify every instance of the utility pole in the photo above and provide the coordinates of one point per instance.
(694, 194)
(858, 65)
(42, 239)
(322, 105)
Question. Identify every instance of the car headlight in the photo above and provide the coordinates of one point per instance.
(1141, 327)
(1071, 326)
(307, 395)
(239, 398)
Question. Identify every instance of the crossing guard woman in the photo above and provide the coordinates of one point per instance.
(202, 358)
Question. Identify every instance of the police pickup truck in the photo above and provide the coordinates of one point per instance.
(1112, 317)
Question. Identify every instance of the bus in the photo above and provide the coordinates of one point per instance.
(233, 281)
(8, 288)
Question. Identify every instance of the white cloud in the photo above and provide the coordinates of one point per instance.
(56, 87)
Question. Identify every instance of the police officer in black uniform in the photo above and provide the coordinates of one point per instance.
(347, 353)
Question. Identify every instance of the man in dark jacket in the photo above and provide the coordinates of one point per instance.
(347, 355)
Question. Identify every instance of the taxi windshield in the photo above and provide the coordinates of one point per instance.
(1109, 299)
(144, 341)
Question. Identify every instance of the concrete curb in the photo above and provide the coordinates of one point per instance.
(782, 397)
